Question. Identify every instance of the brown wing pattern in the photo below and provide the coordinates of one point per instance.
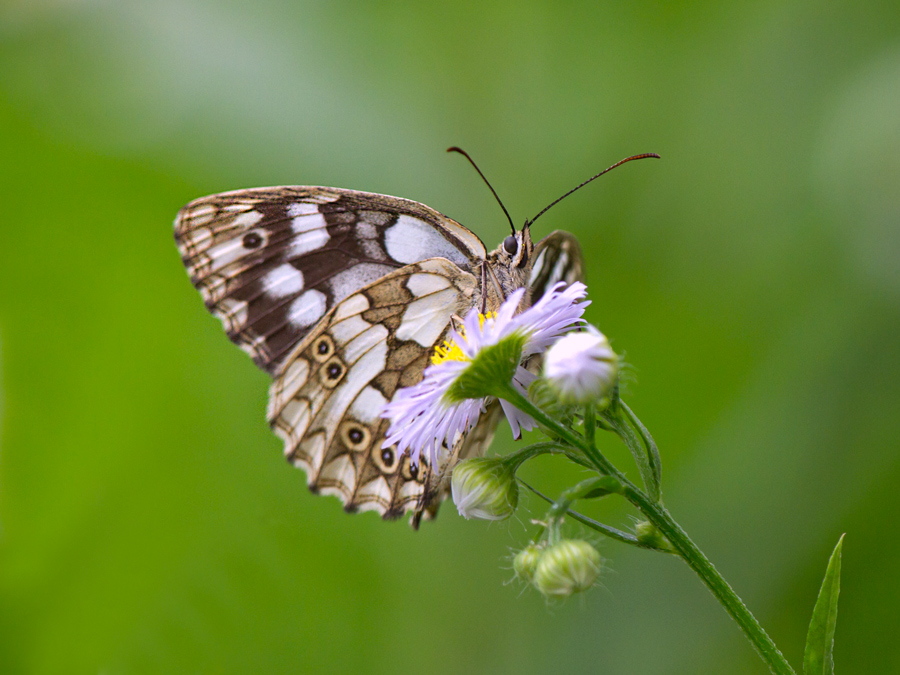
(326, 401)
(270, 262)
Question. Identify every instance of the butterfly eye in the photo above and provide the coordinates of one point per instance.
(511, 244)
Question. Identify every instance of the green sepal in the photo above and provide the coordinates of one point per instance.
(603, 486)
(639, 442)
(818, 657)
(545, 397)
(490, 372)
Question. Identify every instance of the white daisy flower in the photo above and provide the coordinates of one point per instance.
(431, 416)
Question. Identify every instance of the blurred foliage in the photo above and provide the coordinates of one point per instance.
(147, 520)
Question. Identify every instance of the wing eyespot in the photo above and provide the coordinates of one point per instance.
(323, 348)
(253, 240)
(355, 436)
(332, 372)
(386, 459)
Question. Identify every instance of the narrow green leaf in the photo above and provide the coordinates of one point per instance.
(818, 659)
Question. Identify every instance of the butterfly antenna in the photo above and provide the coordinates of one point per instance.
(472, 162)
(619, 163)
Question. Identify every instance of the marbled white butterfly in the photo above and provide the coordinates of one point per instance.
(342, 297)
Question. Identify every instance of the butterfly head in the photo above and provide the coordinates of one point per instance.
(511, 261)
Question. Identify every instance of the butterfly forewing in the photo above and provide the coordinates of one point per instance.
(326, 402)
(270, 262)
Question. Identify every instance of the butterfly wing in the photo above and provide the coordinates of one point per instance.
(557, 257)
(271, 262)
(325, 404)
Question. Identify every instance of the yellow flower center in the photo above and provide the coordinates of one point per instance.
(449, 350)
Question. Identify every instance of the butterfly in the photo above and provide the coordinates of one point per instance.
(342, 296)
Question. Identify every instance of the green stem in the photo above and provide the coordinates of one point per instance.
(515, 459)
(605, 530)
(590, 422)
(658, 515)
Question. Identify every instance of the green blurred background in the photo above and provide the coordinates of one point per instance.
(148, 523)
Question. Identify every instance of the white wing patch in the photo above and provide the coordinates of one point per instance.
(368, 404)
(311, 232)
(426, 318)
(355, 305)
(423, 284)
(308, 308)
(282, 280)
(364, 342)
(349, 281)
(302, 209)
(410, 240)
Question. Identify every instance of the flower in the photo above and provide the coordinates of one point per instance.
(569, 566)
(484, 356)
(582, 367)
(485, 488)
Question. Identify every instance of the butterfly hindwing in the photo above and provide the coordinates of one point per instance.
(325, 404)
(271, 262)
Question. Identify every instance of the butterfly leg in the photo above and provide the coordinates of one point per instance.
(498, 289)
(483, 287)
(500, 294)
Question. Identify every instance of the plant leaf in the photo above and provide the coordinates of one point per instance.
(818, 658)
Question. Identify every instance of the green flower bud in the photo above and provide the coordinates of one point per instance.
(525, 562)
(571, 566)
(648, 534)
(484, 487)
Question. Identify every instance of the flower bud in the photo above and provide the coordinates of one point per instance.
(484, 487)
(571, 566)
(648, 534)
(582, 367)
(525, 562)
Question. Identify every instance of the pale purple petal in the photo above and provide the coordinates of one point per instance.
(422, 421)
(557, 312)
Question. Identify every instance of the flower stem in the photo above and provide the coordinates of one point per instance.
(657, 514)
(605, 530)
